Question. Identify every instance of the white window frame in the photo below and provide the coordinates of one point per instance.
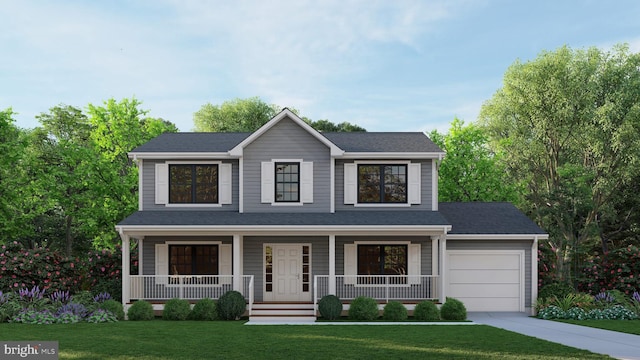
(224, 265)
(225, 183)
(268, 183)
(415, 266)
(414, 193)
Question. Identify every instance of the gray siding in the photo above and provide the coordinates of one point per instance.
(287, 140)
(149, 188)
(149, 248)
(425, 249)
(501, 245)
(253, 252)
(425, 188)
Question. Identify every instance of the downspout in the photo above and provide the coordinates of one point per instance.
(534, 274)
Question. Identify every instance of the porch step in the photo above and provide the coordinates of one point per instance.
(282, 313)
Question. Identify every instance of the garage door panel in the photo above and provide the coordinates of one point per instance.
(484, 291)
(484, 276)
(486, 280)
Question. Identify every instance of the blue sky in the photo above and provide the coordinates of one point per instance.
(384, 65)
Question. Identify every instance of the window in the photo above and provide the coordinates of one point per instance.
(287, 182)
(382, 259)
(382, 183)
(193, 184)
(193, 259)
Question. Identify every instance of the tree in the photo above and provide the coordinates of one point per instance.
(248, 115)
(470, 171)
(568, 124)
(12, 144)
(238, 115)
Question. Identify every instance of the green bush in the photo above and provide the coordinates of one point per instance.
(85, 298)
(426, 311)
(140, 310)
(176, 309)
(558, 290)
(205, 309)
(363, 308)
(115, 307)
(231, 305)
(394, 311)
(330, 307)
(453, 309)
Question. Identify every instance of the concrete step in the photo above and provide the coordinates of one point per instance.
(282, 319)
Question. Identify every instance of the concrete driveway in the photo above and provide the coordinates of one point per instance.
(615, 344)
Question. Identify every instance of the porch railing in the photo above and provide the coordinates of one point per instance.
(380, 287)
(189, 287)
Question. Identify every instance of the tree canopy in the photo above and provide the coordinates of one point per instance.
(568, 124)
(248, 115)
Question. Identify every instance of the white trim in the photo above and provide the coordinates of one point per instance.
(497, 236)
(534, 274)
(192, 242)
(126, 270)
(225, 183)
(195, 162)
(302, 296)
(140, 255)
(391, 155)
(180, 155)
(161, 184)
(521, 277)
(236, 249)
(383, 242)
(442, 240)
(350, 181)
(434, 185)
(240, 185)
(140, 192)
(332, 264)
(332, 185)
(238, 150)
(196, 205)
(434, 255)
(268, 182)
(383, 205)
(351, 264)
(353, 167)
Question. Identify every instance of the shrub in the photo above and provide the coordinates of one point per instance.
(394, 311)
(551, 312)
(363, 308)
(231, 305)
(115, 307)
(9, 306)
(85, 298)
(205, 309)
(453, 309)
(72, 308)
(558, 290)
(101, 316)
(330, 307)
(617, 270)
(140, 310)
(30, 316)
(426, 311)
(176, 309)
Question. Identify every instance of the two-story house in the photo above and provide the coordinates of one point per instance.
(287, 214)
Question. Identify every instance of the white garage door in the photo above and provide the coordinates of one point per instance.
(486, 280)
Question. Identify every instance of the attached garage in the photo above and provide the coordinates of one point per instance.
(487, 280)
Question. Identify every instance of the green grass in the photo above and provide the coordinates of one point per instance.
(233, 340)
(625, 326)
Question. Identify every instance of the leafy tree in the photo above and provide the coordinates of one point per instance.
(470, 171)
(568, 124)
(12, 144)
(248, 115)
(238, 115)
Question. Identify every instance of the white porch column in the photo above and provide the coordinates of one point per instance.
(443, 265)
(534, 274)
(126, 269)
(332, 264)
(237, 263)
(140, 255)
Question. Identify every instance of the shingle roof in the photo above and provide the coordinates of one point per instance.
(345, 218)
(192, 142)
(487, 218)
(350, 142)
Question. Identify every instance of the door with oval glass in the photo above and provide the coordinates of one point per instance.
(287, 272)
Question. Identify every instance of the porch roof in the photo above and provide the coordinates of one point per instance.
(346, 218)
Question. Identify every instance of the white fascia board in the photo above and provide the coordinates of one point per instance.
(180, 155)
(193, 230)
(497, 236)
(238, 149)
(391, 155)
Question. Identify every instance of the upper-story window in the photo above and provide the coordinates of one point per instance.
(193, 184)
(382, 183)
(287, 182)
(392, 183)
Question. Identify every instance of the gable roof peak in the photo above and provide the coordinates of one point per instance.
(285, 113)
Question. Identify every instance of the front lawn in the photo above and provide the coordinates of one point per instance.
(232, 340)
(625, 326)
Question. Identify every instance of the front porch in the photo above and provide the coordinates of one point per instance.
(158, 289)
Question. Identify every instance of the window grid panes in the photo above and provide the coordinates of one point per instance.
(193, 259)
(382, 260)
(193, 184)
(382, 183)
(287, 182)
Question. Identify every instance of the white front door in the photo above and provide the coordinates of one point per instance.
(287, 279)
